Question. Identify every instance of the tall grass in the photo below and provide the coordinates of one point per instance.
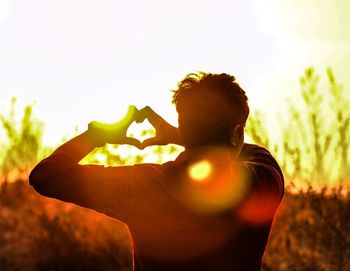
(314, 147)
(22, 146)
(311, 229)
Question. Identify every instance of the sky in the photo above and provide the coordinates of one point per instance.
(86, 60)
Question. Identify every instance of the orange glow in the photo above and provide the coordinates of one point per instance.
(200, 171)
(259, 208)
(213, 187)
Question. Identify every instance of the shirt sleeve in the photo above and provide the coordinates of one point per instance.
(264, 170)
(107, 190)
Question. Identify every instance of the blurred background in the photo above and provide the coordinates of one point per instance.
(64, 64)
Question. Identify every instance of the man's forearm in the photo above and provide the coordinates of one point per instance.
(45, 177)
(81, 145)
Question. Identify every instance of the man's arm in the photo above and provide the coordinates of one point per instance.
(61, 176)
(264, 168)
(64, 158)
(266, 185)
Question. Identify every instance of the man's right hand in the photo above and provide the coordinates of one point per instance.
(165, 133)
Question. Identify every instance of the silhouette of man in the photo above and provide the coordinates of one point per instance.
(210, 209)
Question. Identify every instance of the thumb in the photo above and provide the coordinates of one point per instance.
(130, 116)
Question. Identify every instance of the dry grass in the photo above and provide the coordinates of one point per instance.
(310, 233)
(38, 233)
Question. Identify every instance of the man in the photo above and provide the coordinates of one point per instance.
(210, 209)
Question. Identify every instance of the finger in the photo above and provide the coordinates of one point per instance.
(129, 116)
(148, 113)
(142, 114)
(133, 142)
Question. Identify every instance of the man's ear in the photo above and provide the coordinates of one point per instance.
(237, 136)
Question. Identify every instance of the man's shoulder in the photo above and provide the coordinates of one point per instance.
(253, 150)
(259, 155)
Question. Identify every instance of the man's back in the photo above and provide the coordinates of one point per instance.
(171, 231)
(171, 217)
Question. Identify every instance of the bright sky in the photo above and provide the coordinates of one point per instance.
(83, 60)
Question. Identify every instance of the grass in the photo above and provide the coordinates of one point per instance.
(310, 233)
(44, 234)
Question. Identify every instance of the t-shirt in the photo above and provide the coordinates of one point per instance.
(203, 211)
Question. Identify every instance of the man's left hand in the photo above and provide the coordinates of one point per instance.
(115, 133)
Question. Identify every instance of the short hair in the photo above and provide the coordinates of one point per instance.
(209, 106)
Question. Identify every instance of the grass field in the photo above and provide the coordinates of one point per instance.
(311, 232)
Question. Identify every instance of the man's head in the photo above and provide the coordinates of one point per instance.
(212, 110)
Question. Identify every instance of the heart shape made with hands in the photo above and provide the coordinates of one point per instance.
(117, 133)
(165, 133)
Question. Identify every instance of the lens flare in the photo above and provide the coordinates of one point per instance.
(259, 208)
(200, 171)
(212, 187)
